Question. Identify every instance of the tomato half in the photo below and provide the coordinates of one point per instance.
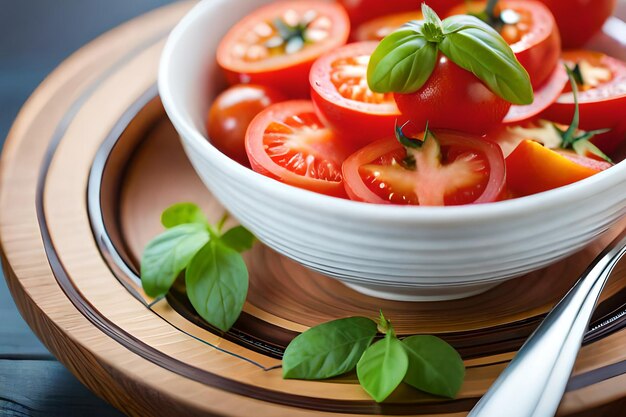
(532, 168)
(376, 29)
(231, 113)
(453, 98)
(344, 101)
(288, 142)
(579, 20)
(453, 169)
(361, 11)
(544, 96)
(276, 45)
(601, 98)
(531, 33)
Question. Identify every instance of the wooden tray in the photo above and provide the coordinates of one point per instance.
(90, 163)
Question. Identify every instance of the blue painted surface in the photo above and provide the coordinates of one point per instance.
(35, 36)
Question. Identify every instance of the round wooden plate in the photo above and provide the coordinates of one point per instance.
(89, 165)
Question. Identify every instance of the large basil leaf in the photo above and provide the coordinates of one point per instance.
(168, 254)
(476, 47)
(434, 366)
(402, 62)
(217, 284)
(238, 238)
(383, 367)
(329, 349)
(182, 213)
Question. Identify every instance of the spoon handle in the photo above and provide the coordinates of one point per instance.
(534, 382)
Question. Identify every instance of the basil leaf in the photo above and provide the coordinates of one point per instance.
(402, 62)
(182, 213)
(434, 366)
(329, 349)
(477, 47)
(217, 284)
(383, 367)
(238, 238)
(168, 254)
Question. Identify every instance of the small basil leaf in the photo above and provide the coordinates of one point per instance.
(430, 15)
(168, 254)
(217, 284)
(382, 367)
(402, 62)
(182, 213)
(478, 48)
(238, 238)
(329, 349)
(434, 366)
(583, 147)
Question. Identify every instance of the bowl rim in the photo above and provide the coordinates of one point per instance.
(561, 197)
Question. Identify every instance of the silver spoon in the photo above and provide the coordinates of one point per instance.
(535, 380)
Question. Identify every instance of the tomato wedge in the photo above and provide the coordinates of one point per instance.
(532, 168)
(452, 169)
(376, 29)
(545, 95)
(601, 98)
(276, 45)
(531, 32)
(344, 101)
(288, 142)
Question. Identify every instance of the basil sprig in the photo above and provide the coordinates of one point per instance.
(216, 276)
(339, 346)
(405, 59)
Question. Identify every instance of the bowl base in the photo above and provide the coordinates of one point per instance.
(423, 293)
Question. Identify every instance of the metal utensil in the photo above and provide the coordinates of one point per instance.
(535, 380)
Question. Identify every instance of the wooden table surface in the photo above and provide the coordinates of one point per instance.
(35, 36)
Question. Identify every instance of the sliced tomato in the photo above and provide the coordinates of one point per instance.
(276, 45)
(344, 101)
(579, 20)
(452, 169)
(531, 33)
(289, 143)
(453, 98)
(544, 96)
(361, 11)
(376, 29)
(601, 98)
(532, 168)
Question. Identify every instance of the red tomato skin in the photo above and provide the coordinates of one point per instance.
(579, 20)
(290, 78)
(541, 54)
(357, 123)
(453, 98)
(363, 10)
(231, 113)
(602, 113)
(539, 50)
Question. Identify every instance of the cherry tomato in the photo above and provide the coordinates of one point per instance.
(344, 101)
(452, 169)
(231, 113)
(532, 34)
(544, 96)
(288, 142)
(376, 29)
(601, 98)
(276, 45)
(363, 10)
(453, 98)
(579, 20)
(532, 168)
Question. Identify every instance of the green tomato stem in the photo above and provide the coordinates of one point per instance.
(490, 9)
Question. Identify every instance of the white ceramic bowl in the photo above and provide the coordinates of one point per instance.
(403, 253)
